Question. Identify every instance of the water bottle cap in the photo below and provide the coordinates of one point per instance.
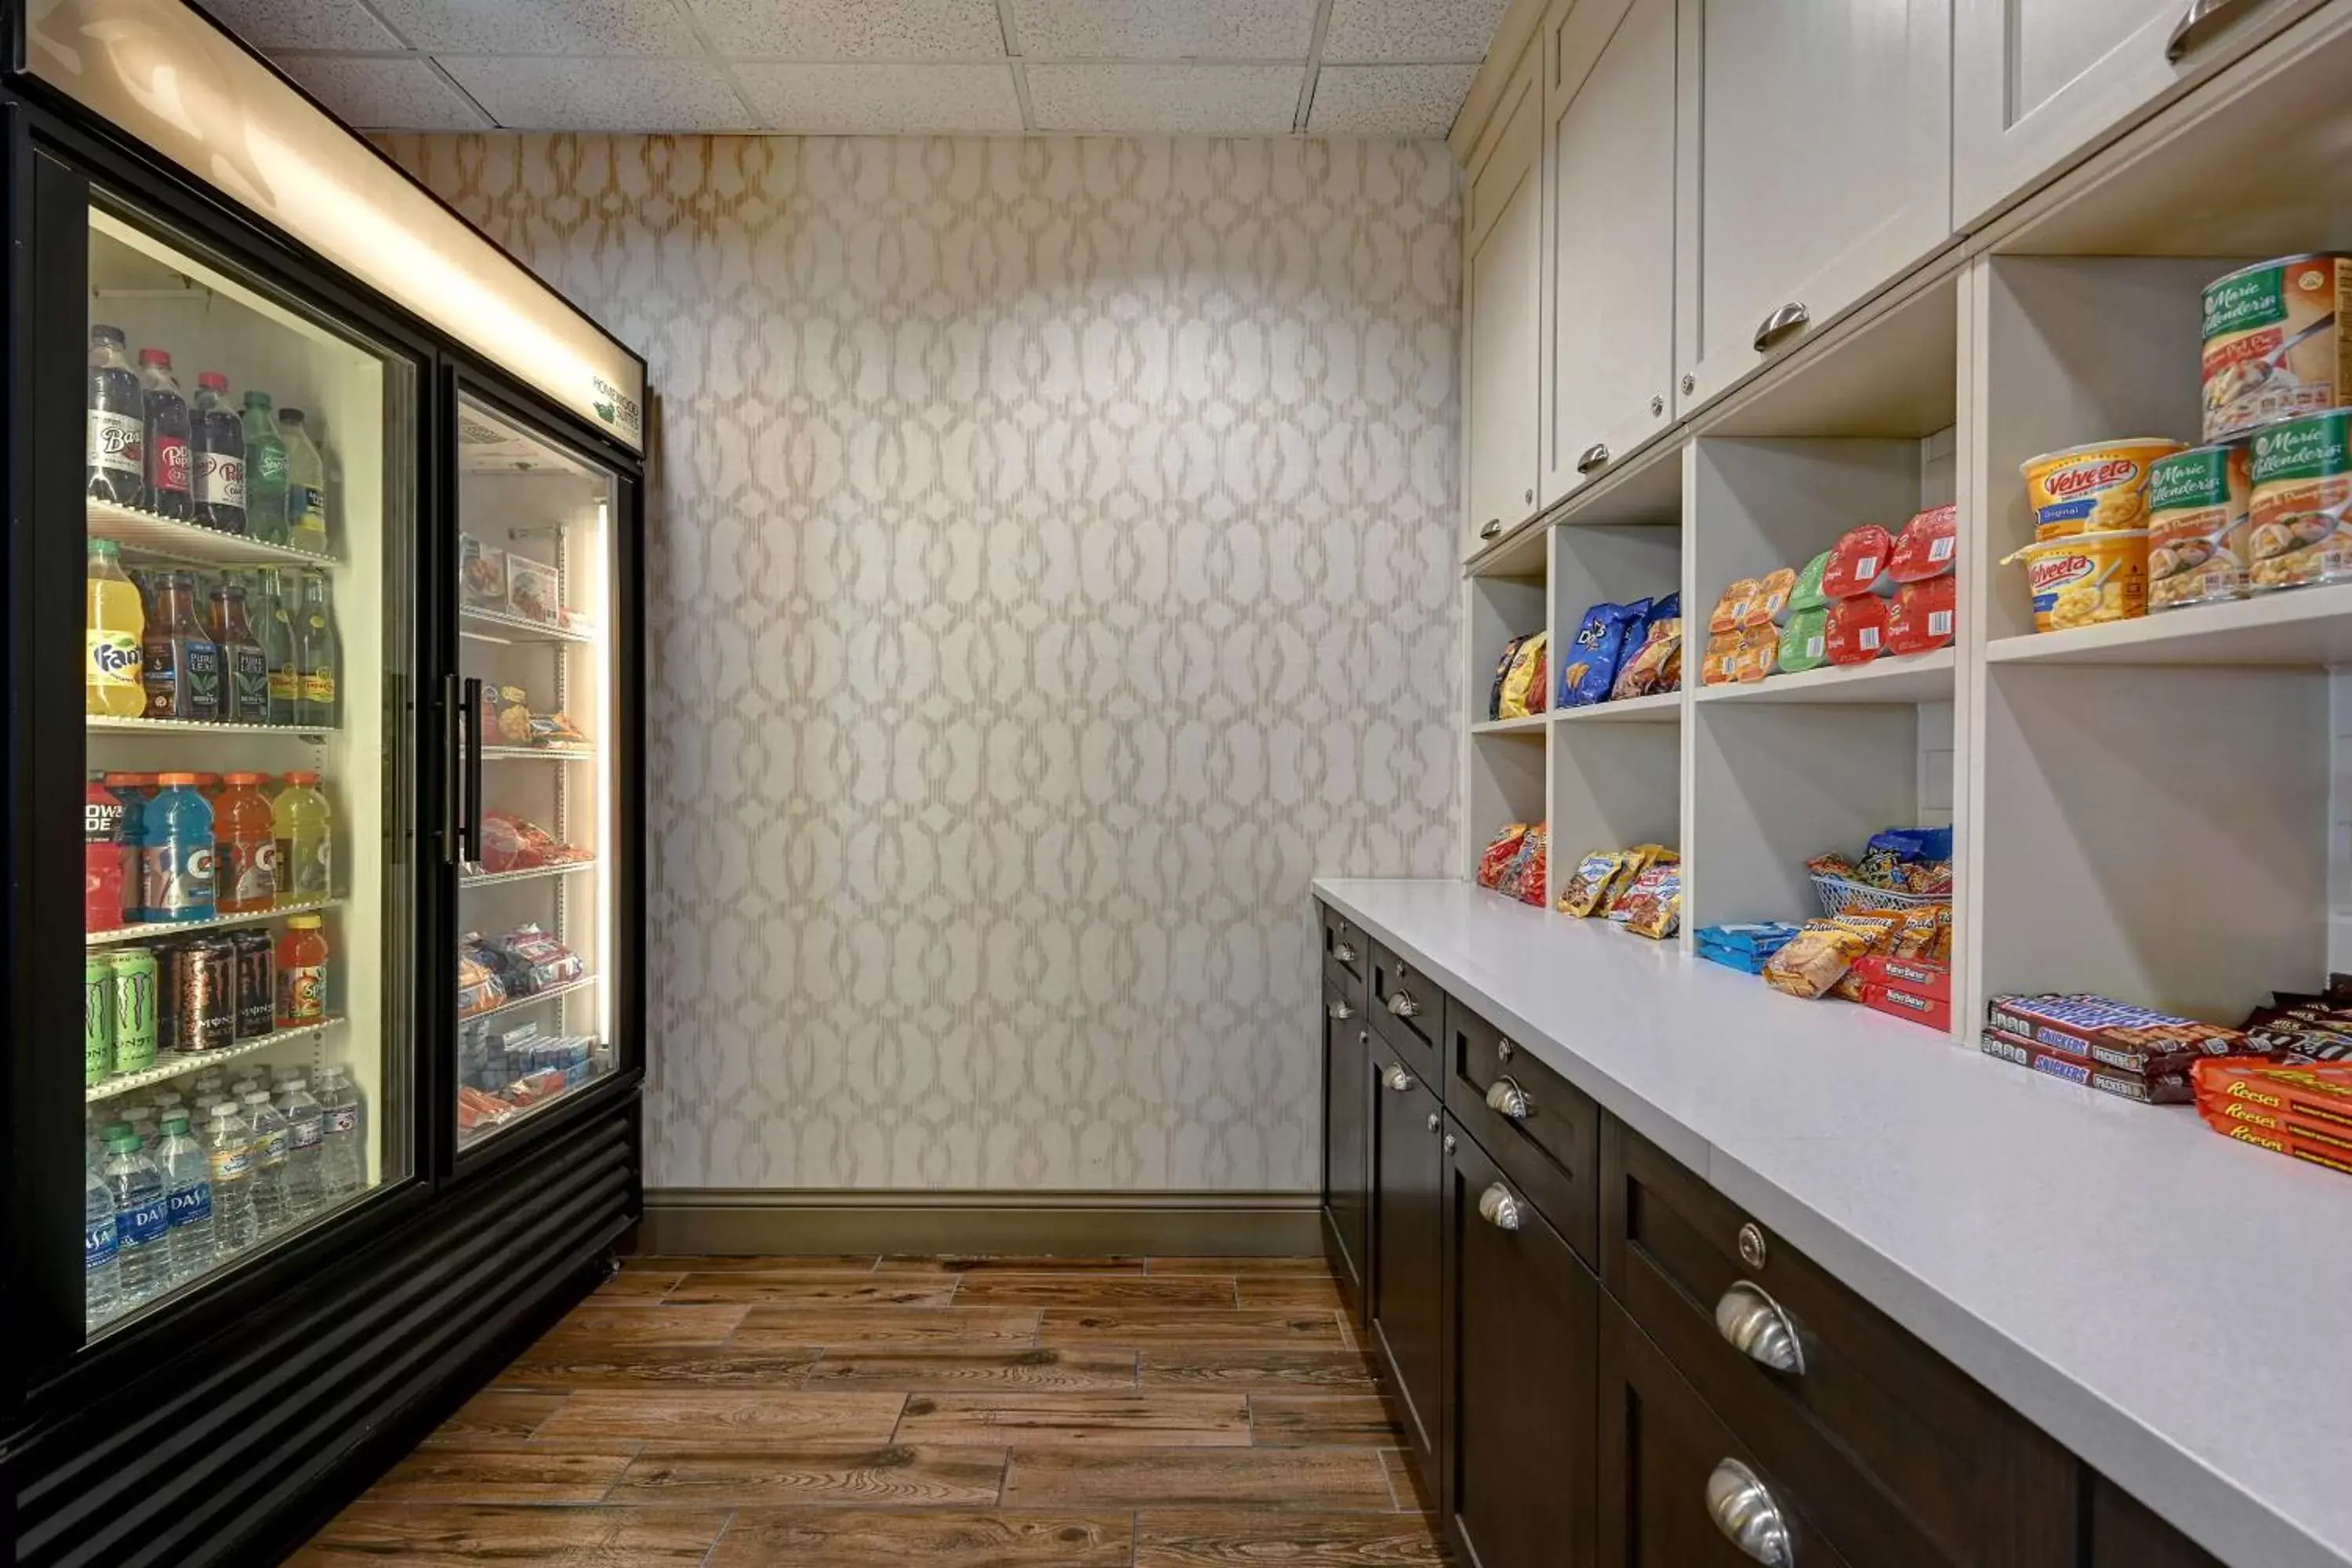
(121, 1141)
(154, 356)
(174, 1125)
(111, 1128)
(257, 1097)
(224, 1112)
(297, 1081)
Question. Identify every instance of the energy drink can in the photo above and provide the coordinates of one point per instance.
(257, 983)
(135, 999)
(97, 1019)
(200, 978)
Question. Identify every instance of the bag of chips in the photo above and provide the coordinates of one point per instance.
(1808, 594)
(1639, 859)
(1805, 641)
(1522, 683)
(479, 985)
(1499, 853)
(1856, 632)
(1591, 882)
(1927, 546)
(1652, 906)
(1815, 958)
(1858, 564)
(1769, 605)
(1589, 669)
(1731, 609)
(1884, 929)
(1523, 876)
(1659, 664)
(1502, 671)
(1922, 615)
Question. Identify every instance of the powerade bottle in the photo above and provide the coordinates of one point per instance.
(217, 438)
(169, 462)
(116, 469)
(101, 1268)
(188, 1189)
(265, 472)
(142, 1216)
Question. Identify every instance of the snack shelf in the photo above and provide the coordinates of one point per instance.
(1907, 677)
(488, 623)
(170, 1065)
(1658, 708)
(169, 539)
(2294, 627)
(531, 999)
(1533, 724)
(150, 931)
(489, 879)
(537, 753)
(202, 727)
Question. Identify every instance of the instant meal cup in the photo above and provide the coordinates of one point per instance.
(2086, 578)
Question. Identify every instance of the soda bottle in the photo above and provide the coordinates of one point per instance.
(217, 435)
(305, 485)
(188, 1189)
(345, 1160)
(101, 855)
(306, 1183)
(101, 1268)
(305, 849)
(244, 838)
(142, 1216)
(265, 471)
(273, 625)
(318, 652)
(268, 1162)
(228, 1151)
(178, 884)
(164, 411)
(114, 623)
(244, 668)
(116, 469)
(302, 957)
(180, 663)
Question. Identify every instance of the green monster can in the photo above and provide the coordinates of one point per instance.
(134, 1008)
(97, 1019)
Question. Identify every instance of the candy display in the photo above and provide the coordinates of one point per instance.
(2165, 1088)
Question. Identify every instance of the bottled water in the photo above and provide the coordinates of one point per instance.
(306, 1183)
(102, 1272)
(345, 1160)
(188, 1185)
(269, 1162)
(228, 1149)
(143, 1220)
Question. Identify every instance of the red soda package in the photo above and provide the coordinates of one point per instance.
(1858, 564)
(1857, 629)
(1922, 615)
(1927, 546)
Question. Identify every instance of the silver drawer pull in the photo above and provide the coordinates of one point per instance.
(1491, 527)
(2199, 20)
(1341, 1012)
(1401, 1003)
(1343, 952)
(1449, 1143)
(1397, 1078)
(1503, 1048)
(1755, 1325)
(1436, 1121)
(1780, 323)
(1505, 1096)
(1498, 1208)
(1744, 1511)
(1595, 456)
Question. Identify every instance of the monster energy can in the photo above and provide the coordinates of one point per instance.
(134, 1008)
(97, 1019)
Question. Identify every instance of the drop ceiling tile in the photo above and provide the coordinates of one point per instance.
(1411, 29)
(557, 94)
(302, 24)
(384, 93)
(853, 29)
(1158, 30)
(1168, 99)
(861, 99)
(541, 27)
(1387, 101)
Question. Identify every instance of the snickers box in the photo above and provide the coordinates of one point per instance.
(2157, 1089)
(2115, 1035)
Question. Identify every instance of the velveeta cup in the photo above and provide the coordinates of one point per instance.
(2098, 488)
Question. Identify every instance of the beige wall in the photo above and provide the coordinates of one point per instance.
(1049, 573)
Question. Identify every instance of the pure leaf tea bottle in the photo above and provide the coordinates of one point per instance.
(179, 663)
(245, 669)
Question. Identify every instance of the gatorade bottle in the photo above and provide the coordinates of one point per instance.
(305, 485)
(177, 882)
(101, 855)
(114, 624)
(245, 837)
(306, 868)
(265, 471)
(301, 973)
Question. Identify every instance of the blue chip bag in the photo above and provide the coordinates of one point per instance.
(1589, 668)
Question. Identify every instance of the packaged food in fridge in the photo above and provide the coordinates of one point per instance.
(481, 574)
(534, 590)
(530, 961)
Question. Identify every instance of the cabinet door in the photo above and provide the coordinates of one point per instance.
(1609, 283)
(2124, 1534)
(1347, 1141)
(1408, 1248)
(1522, 1316)
(1501, 302)
(1814, 164)
(2036, 81)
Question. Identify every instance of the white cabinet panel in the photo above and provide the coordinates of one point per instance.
(1610, 164)
(1815, 164)
(1502, 303)
(2036, 81)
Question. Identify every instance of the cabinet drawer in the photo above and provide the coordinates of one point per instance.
(1343, 945)
(1408, 1294)
(1345, 988)
(1670, 1468)
(1904, 1459)
(1545, 1133)
(1408, 1012)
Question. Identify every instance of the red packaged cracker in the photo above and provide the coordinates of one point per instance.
(2332, 1134)
(1857, 629)
(2312, 1090)
(1920, 977)
(1933, 1011)
(1927, 545)
(2331, 1155)
(1858, 564)
(1923, 616)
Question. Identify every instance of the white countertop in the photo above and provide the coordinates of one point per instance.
(2169, 1305)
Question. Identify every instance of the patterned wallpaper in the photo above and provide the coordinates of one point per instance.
(1050, 572)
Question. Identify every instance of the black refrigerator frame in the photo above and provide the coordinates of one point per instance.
(223, 1427)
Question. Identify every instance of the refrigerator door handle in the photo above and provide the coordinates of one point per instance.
(470, 824)
(452, 775)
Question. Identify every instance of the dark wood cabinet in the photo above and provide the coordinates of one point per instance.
(2124, 1534)
(1542, 1130)
(1347, 1140)
(1521, 1313)
(1409, 1013)
(1408, 1248)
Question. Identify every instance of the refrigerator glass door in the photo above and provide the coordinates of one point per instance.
(249, 500)
(535, 649)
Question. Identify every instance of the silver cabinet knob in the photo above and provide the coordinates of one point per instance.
(1397, 1078)
(1343, 952)
(1755, 1325)
(1503, 1048)
(1436, 1121)
(2199, 20)
(1449, 1143)
(1531, 498)
(1657, 406)
(1505, 1095)
(1363, 1037)
(1491, 527)
(1690, 384)
(1752, 1251)
(1744, 1511)
(1594, 457)
(1498, 1208)
(1401, 1003)
(1780, 324)
(1341, 1012)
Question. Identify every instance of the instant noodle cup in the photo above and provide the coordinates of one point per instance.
(2199, 505)
(2098, 488)
(2086, 578)
(2277, 342)
(2303, 490)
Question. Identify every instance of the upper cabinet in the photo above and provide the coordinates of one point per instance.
(1815, 164)
(1501, 301)
(1609, 280)
(2035, 81)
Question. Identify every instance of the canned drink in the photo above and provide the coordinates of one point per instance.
(257, 983)
(135, 997)
(97, 1019)
(201, 979)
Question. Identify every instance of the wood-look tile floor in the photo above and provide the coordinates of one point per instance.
(866, 1413)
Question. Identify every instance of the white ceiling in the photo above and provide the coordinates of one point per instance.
(1217, 68)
